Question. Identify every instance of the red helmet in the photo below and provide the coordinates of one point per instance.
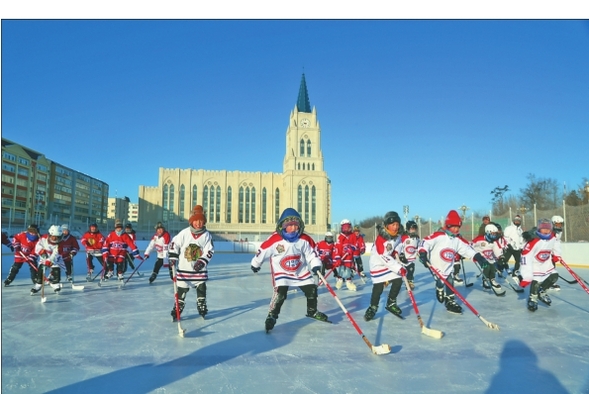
(453, 219)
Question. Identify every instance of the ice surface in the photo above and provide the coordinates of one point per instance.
(113, 340)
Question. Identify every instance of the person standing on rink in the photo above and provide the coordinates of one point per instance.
(93, 241)
(159, 242)
(114, 250)
(408, 250)
(47, 254)
(360, 250)
(68, 248)
(384, 267)
(128, 258)
(24, 247)
(344, 255)
(293, 261)
(489, 248)
(325, 250)
(439, 250)
(191, 251)
(513, 234)
(537, 265)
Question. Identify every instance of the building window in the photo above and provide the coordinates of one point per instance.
(194, 196)
(313, 166)
(205, 199)
(182, 192)
(8, 156)
(8, 167)
(300, 199)
(165, 203)
(276, 205)
(306, 204)
(171, 202)
(218, 205)
(240, 206)
(253, 205)
(23, 161)
(298, 166)
(313, 205)
(302, 150)
(263, 205)
(247, 205)
(229, 205)
(308, 148)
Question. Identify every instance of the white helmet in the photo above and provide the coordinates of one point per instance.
(491, 228)
(345, 221)
(557, 219)
(55, 231)
(329, 234)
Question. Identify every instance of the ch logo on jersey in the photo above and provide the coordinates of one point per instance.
(280, 248)
(447, 255)
(543, 255)
(410, 249)
(291, 263)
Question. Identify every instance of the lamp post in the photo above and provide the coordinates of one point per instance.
(417, 220)
(405, 211)
(523, 210)
(464, 208)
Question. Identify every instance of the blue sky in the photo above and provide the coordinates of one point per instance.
(427, 113)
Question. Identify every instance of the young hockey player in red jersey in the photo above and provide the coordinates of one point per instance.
(128, 258)
(293, 261)
(48, 256)
(93, 241)
(537, 264)
(159, 242)
(68, 248)
(487, 246)
(439, 251)
(384, 266)
(408, 250)
(24, 248)
(325, 250)
(114, 250)
(191, 251)
(344, 255)
(360, 250)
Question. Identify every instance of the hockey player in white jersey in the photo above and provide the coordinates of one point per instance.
(47, 253)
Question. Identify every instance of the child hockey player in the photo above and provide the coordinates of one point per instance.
(114, 250)
(487, 246)
(325, 250)
(47, 253)
(344, 255)
(408, 250)
(191, 251)
(537, 264)
(159, 242)
(360, 250)
(24, 247)
(384, 267)
(293, 259)
(68, 248)
(93, 241)
(441, 248)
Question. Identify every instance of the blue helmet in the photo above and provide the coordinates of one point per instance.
(290, 215)
(544, 224)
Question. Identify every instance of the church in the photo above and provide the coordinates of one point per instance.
(242, 204)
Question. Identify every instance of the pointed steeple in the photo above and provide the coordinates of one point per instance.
(303, 104)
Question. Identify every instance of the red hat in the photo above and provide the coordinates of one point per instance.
(197, 214)
(453, 219)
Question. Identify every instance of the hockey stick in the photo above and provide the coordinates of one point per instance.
(574, 275)
(464, 274)
(74, 286)
(181, 330)
(378, 350)
(138, 265)
(490, 325)
(43, 298)
(326, 275)
(570, 282)
(129, 259)
(430, 332)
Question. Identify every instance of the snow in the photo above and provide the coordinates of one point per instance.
(112, 339)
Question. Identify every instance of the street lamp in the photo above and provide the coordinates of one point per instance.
(417, 220)
(523, 210)
(464, 208)
(405, 211)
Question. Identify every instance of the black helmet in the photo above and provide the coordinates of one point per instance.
(33, 229)
(391, 217)
(128, 225)
(410, 224)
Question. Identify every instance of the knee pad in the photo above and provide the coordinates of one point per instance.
(201, 290)
(182, 293)
(55, 275)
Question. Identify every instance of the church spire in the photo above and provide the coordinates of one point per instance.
(303, 104)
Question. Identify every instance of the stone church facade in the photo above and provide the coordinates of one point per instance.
(238, 202)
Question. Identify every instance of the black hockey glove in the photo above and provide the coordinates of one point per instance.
(423, 259)
(481, 260)
(198, 265)
(314, 270)
(255, 269)
(403, 258)
(502, 264)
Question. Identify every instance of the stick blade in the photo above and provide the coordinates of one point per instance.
(492, 326)
(432, 333)
(77, 287)
(43, 299)
(181, 331)
(381, 349)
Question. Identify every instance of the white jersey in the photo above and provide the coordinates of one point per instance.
(537, 255)
(290, 262)
(48, 251)
(442, 250)
(160, 244)
(383, 265)
(409, 246)
(190, 248)
(513, 236)
(490, 250)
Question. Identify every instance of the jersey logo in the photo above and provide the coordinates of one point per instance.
(489, 254)
(192, 252)
(389, 247)
(447, 255)
(280, 248)
(410, 249)
(543, 255)
(291, 263)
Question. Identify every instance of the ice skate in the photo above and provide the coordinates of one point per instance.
(56, 287)
(496, 287)
(89, 276)
(370, 312)
(440, 294)
(7, 282)
(108, 275)
(270, 322)
(542, 296)
(457, 280)
(486, 284)
(394, 308)
(69, 278)
(318, 316)
(35, 289)
(350, 285)
(452, 306)
(152, 277)
(201, 305)
(338, 283)
(533, 303)
(120, 277)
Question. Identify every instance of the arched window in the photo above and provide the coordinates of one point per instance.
(302, 150)
(308, 148)
(182, 192)
(253, 215)
(171, 204)
(229, 204)
(313, 166)
(300, 199)
(218, 205)
(240, 206)
(313, 205)
(205, 199)
(247, 204)
(298, 166)
(264, 205)
(165, 203)
(306, 204)
(211, 211)
(276, 205)
(194, 196)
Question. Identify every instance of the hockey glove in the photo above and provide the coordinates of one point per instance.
(255, 269)
(47, 263)
(555, 259)
(403, 271)
(502, 264)
(481, 260)
(524, 283)
(402, 258)
(199, 265)
(172, 261)
(145, 256)
(314, 270)
(423, 259)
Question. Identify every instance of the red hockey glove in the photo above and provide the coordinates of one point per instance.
(524, 283)
(403, 271)
(555, 259)
(47, 263)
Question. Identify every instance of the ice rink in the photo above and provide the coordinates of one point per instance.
(121, 340)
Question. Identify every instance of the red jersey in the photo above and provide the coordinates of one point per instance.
(325, 251)
(360, 246)
(344, 249)
(92, 241)
(116, 245)
(68, 247)
(24, 243)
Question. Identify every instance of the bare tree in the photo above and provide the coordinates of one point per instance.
(497, 200)
(540, 191)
